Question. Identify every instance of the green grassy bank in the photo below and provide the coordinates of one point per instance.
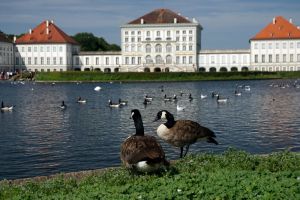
(232, 175)
(180, 76)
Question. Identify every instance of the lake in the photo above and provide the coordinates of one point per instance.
(38, 138)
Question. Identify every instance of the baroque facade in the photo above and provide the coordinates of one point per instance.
(159, 41)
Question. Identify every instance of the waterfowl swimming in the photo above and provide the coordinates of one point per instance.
(97, 88)
(190, 97)
(247, 88)
(63, 106)
(203, 96)
(6, 108)
(180, 108)
(113, 105)
(182, 133)
(123, 103)
(221, 100)
(148, 98)
(80, 100)
(167, 98)
(236, 93)
(214, 94)
(146, 101)
(141, 152)
(174, 97)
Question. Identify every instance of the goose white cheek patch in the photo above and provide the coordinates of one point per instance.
(163, 115)
(132, 114)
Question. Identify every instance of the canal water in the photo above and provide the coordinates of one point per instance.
(38, 138)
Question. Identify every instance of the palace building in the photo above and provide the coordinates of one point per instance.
(159, 41)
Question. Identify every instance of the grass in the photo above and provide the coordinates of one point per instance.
(232, 175)
(141, 76)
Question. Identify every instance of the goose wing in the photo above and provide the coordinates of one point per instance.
(138, 148)
(189, 131)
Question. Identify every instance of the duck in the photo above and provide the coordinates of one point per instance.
(123, 103)
(214, 94)
(182, 133)
(6, 108)
(80, 100)
(247, 88)
(140, 152)
(97, 88)
(63, 106)
(113, 105)
(174, 97)
(221, 100)
(167, 98)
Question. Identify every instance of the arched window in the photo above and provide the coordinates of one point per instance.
(202, 69)
(234, 69)
(107, 70)
(212, 69)
(245, 69)
(223, 69)
(169, 48)
(148, 59)
(167, 69)
(158, 48)
(148, 48)
(158, 59)
(169, 59)
(146, 69)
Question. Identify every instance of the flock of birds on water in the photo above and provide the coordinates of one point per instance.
(143, 153)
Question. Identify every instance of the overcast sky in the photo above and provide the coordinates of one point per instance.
(228, 24)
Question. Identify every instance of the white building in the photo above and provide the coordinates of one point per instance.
(276, 47)
(161, 40)
(6, 54)
(224, 60)
(45, 48)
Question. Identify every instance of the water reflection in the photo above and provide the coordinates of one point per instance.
(38, 138)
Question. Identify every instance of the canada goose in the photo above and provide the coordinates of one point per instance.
(214, 94)
(174, 97)
(180, 133)
(148, 98)
(113, 105)
(167, 98)
(80, 100)
(123, 103)
(63, 106)
(142, 152)
(146, 101)
(221, 100)
(236, 93)
(6, 108)
(190, 97)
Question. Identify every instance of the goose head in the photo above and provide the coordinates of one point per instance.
(164, 114)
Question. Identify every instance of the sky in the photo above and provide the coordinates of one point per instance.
(227, 24)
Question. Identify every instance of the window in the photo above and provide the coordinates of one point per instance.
(107, 60)
(60, 49)
(169, 59)
(168, 33)
(184, 39)
(158, 33)
(97, 60)
(35, 61)
(270, 58)
(256, 58)
(139, 39)
(190, 39)
(17, 60)
(177, 59)
(168, 48)
(255, 46)
(41, 49)
(158, 48)
(29, 61)
(126, 48)
(177, 39)
(183, 48)
(191, 48)
(133, 60)
(23, 61)
(61, 60)
(42, 60)
(298, 57)
(126, 39)
(139, 32)
(139, 60)
(190, 32)
(133, 47)
(148, 33)
(22, 49)
(54, 49)
(177, 48)
(291, 45)
(270, 45)
(190, 59)
(126, 32)
(48, 49)
(177, 32)
(132, 32)
(29, 49)
(183, 60)
(158, 59)
(277, 45)
(35, 49)
(148, 48)
(48, 60)
(132, 39)
(277, 58)
(148, 59)
(117, 60)
(292, 58)
(126, 60)
(86, 61)
(263, 58)
(183, 32)
(284, 58)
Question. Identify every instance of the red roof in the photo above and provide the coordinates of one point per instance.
(39, 35)
(160, 16)
(280, 28)
(3, 38)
